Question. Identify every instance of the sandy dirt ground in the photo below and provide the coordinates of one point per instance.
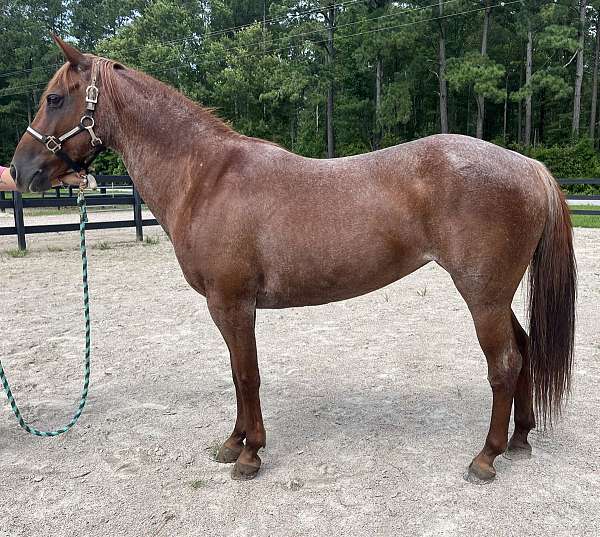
(373, 407)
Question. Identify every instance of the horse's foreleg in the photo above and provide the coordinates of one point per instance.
(497, 339)
(235, 320)
(518, 446)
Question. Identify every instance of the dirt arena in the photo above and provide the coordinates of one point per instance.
(373, 407)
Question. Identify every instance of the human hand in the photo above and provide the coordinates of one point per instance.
(76, 180)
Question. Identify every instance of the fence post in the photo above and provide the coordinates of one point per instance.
(137, 214)
(19, 222)
(57, 196)
(2, 197)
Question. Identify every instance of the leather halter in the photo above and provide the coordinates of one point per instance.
(86, 123)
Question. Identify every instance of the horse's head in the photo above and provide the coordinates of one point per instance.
(66, 132)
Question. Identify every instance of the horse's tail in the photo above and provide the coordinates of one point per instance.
(552, 295)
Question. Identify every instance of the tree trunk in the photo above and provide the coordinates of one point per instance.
(29, 117)
(520, 110)
(542, 119)
(579, 72)
(528, 69)
(378, 90)
(505, 109)
(330, 17)
(595, 81)
(469, 109)
(480, 98)
(442, 74)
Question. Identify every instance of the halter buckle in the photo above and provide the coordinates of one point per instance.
(91, 94)
(53, 145)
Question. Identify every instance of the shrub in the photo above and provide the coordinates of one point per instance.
(573, 161)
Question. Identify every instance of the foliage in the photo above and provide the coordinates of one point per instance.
(478, 71)
(574, 161)
(263, 65)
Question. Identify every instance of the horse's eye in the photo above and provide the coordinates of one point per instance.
(53, 100)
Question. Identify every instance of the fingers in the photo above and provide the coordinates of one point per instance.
(76, 180)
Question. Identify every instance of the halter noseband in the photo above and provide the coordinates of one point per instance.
(86, 123)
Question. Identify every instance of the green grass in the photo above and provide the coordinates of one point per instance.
(16, 253)
(102, 246)
(50, 211)
(197, 484)
(213, 449)
(584, 220)
(55, 249)
(151, 241)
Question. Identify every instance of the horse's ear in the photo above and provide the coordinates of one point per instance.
(73, 56)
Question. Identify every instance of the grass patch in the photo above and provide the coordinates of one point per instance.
(198, 484)
(584, 220)
(16, 253)
(102, 246)
(55, 249)
(213, 450)
(35, 211)
(151, 241)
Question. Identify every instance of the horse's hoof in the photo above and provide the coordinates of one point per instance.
(518, 451)
(480, 474)
(244, 472)
(227, 454)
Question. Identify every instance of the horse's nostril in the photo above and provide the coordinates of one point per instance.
(13, 172)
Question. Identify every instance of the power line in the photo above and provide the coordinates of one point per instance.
(242, 26)
(204, 36)
(376, 30)
(288, 47)
(320, 30)
(282, 38)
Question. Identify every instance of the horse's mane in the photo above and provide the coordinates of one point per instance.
(68, 77)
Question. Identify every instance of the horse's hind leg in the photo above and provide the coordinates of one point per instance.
(518, 446)
(233, 446)
(493, 323)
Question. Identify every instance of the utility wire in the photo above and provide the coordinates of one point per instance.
(376, 30)
(320, 30)
(147, 66)
(288, 47)
(203, 36)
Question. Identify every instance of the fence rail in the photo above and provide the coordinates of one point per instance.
(66, 197)
(581, 197)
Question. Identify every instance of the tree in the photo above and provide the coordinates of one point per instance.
(592, 131)
(369, 74)
(442, 71)
(479, 72)
(579, 73)
(484, 42)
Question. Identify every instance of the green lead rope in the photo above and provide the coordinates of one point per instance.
(86, 307)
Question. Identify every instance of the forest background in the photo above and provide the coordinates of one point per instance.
(332, 77)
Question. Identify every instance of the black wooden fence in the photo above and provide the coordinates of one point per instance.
(119, 190)
(113, 190)
(582, 198)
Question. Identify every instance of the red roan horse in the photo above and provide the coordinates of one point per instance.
(255, 226)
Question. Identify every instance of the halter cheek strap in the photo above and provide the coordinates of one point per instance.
(86, 123)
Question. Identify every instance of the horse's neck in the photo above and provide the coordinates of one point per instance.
(166, 144)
